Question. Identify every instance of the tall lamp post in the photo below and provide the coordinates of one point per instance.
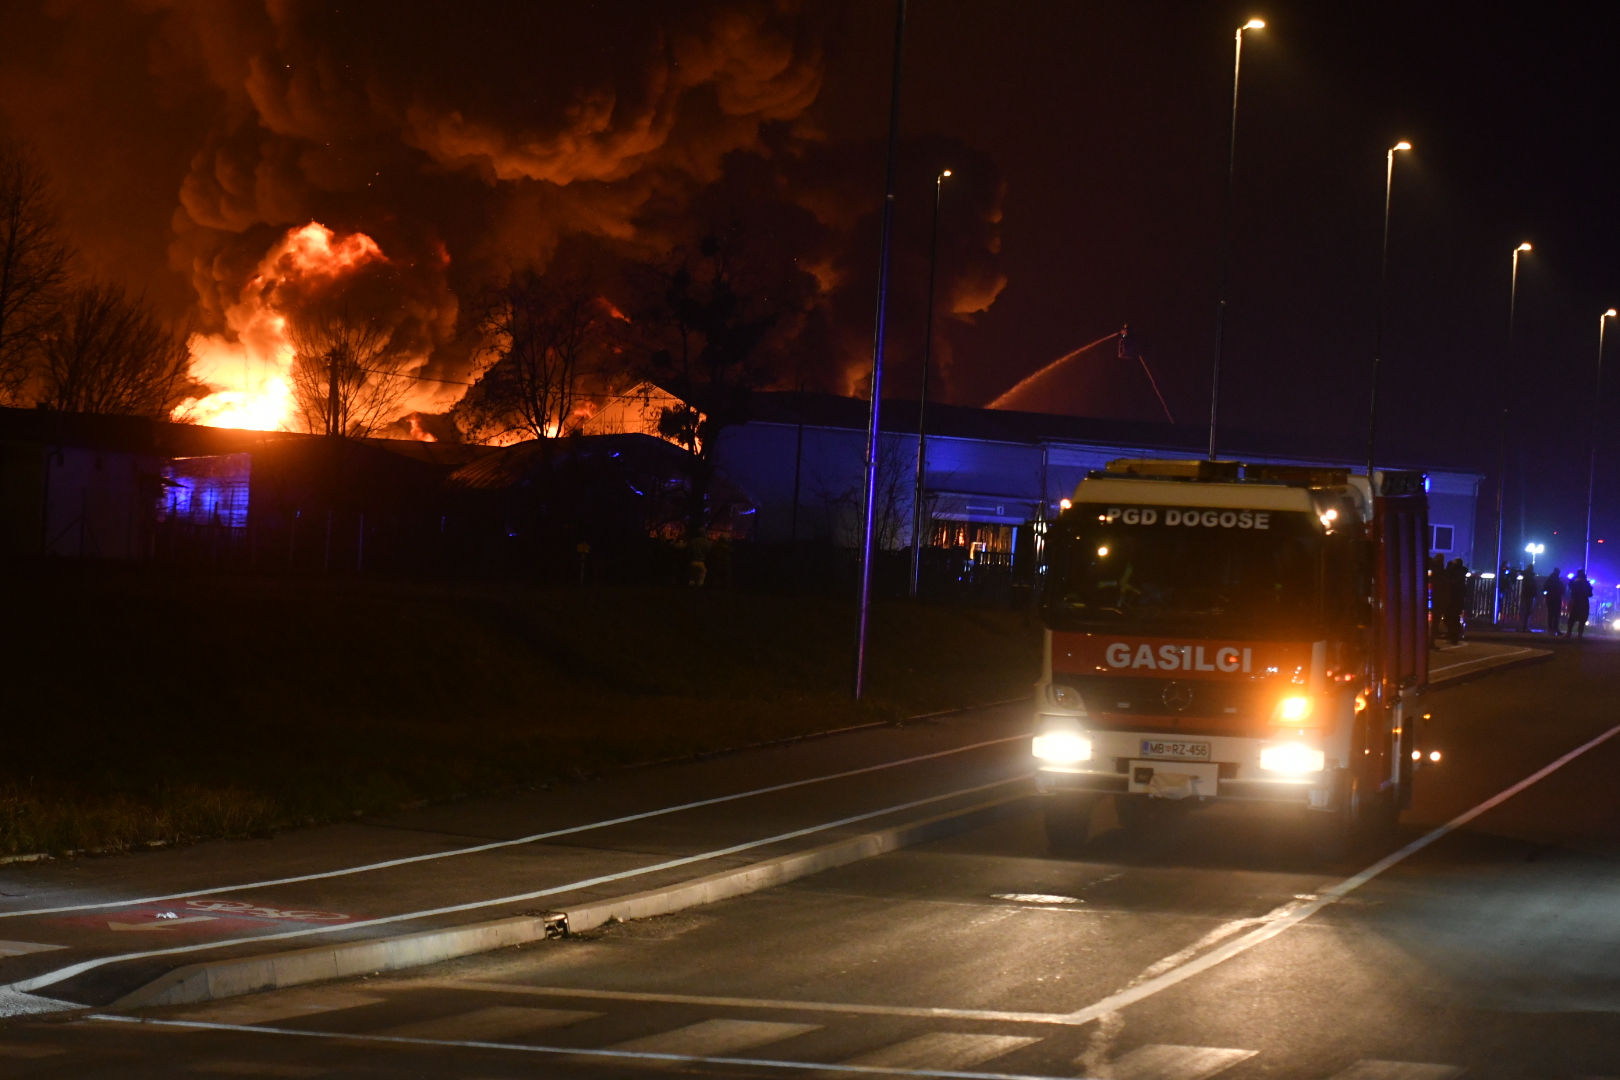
(922, 399)
(1226, 235)
(874, 431)
(1591, 458)
(1501, 465)
(1378, 332)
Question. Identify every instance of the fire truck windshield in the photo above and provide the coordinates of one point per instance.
(1187, 571)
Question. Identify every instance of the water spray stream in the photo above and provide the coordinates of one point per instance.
(1001, 402)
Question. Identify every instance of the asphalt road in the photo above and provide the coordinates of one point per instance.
(1494, 951)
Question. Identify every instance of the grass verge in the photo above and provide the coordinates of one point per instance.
(148, 709)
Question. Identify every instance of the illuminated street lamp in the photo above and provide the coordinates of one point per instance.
(1501, 466)
(1378, 333)
(1534, 550)
(922, 399)
(874, 426)
(1226, 234)
(1591, 457)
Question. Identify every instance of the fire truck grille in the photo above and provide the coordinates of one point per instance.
(1190, 698)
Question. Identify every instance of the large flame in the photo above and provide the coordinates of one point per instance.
(251, 376)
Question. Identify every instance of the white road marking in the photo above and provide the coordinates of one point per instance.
(715, 1038)
(494, 1022)
(944, 1050)
(23, 948)
(1480, 660)
(1036, 898)
(610, 1054)
(1290, 918)
(50, 978)
(1158, 1061)
(280, 1005)
(1396, 1070)
(851, 1008)
(13, 1003)
(497, 844)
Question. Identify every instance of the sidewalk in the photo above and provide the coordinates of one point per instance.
(489, 871)
(1474, 657)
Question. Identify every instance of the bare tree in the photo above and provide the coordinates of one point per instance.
(106, 352)
(714, 327)
(348, 374)
(542, 338)
(33, 263)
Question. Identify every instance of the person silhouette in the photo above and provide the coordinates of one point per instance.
(1555, 600)
(1580, 604)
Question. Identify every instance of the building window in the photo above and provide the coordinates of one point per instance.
(1441, 537)
(976, 535)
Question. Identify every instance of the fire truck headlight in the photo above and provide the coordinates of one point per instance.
(1293, 709)
(1062, 748)
(1292, 758)
(1066, 697)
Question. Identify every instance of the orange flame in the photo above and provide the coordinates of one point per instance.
(252, 374)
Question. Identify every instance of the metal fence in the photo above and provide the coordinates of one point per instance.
(1482, 588)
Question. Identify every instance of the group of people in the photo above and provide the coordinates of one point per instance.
(1449, 584)
(1577, 591)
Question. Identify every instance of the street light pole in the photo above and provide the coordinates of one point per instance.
(922, 399)
(874, 431)
(1501, 465)
(1378, 332)
(1591, 458)
(1226, 235)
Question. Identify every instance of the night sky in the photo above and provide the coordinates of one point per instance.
(1089, 143)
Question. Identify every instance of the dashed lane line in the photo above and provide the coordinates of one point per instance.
(519, 841)
(644, 1056)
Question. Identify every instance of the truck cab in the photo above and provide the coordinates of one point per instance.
(1221, 631)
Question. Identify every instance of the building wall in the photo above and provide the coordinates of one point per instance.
(98, 504)
(967, 479)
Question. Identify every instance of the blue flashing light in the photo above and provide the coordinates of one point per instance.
(1426, 483)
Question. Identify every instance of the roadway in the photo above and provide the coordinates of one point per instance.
(1493, 951)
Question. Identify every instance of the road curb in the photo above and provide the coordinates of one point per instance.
(218, 979)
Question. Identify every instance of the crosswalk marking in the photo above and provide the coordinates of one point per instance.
(25, 948)
(287, 1005)
(1160, 1061)
(715, 1038)
(490, 1024)
(256, 1068)
(943, 1050)
(1373, 1069)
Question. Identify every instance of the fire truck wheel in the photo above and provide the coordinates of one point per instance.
(1068, 820)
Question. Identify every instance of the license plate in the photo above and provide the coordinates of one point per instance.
(1173, 750)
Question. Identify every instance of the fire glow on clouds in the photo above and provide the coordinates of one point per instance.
(252, 376)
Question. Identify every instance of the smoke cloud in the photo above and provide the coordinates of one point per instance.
(195, 142)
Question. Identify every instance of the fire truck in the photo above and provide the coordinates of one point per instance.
(1221, 631)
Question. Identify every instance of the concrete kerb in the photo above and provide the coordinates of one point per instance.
(218, 979)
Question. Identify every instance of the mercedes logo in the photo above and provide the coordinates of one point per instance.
(1178, 696)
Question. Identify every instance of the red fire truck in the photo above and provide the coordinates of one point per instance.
(1222, 631)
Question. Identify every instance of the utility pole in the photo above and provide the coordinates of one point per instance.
(332, 425)
(874, 433)
(1226, 236)
(922, 399)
